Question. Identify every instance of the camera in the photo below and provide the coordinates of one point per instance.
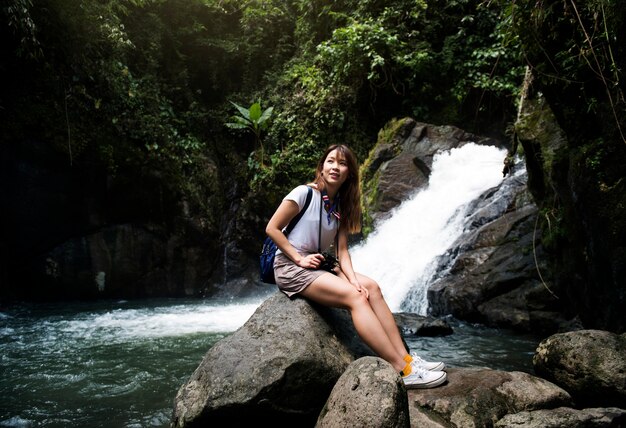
(330, 262)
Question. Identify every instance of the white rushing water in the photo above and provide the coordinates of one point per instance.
(125, 323)
(400, 253)
(161, 321)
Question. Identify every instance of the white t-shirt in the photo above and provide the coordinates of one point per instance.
(304, 236)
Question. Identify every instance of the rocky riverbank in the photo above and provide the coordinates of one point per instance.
(297, 363)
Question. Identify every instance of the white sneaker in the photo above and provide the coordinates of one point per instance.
(426, 365)
(420, 378)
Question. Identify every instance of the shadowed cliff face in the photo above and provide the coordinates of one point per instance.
(73, 231)
(580, 187)
(572, 125)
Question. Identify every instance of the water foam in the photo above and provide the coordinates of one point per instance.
(124, 324)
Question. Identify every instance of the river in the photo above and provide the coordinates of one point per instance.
(120, 363)
(108, 363)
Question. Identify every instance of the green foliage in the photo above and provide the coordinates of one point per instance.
(493, 64)
(254, 119)
(553, 227)
(144, 85)
(574, 52)
(19, 20)
(360, 50)
(363, 63)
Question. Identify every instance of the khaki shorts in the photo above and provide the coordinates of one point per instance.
(291, 278)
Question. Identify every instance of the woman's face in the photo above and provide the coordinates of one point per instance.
(335, 169)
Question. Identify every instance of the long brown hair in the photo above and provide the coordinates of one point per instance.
(349, 192)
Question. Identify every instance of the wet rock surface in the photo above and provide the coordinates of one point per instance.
(297, 363)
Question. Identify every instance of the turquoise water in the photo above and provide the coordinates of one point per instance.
(106, 364)
(473, 345)
(120, 364)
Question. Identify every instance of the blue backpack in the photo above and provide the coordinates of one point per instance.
(268, 253)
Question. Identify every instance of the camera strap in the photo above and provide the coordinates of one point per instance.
(319, 231)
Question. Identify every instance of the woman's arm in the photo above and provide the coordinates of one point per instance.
(345, 262)
(286, 211)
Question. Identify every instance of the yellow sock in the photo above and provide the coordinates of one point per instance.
(406, 370)
(408, 358)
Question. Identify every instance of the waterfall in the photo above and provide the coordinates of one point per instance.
(401, 252)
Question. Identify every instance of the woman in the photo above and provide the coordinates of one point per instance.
(298, 262)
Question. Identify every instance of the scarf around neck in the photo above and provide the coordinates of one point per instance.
(331, 210)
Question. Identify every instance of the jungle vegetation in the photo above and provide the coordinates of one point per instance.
(133, 86)
(142, 91)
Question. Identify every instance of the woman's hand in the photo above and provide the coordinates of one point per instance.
(360, 289)
(312, 261)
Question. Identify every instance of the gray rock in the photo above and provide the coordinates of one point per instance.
(476, 397)
(565, 417)
(491, 272)
(589, 364)
(370, 394)
(418, 325)
(278, 368)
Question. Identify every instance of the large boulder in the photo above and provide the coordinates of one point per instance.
(589, 364)
(277, 369)
(565, 417)
(292, 363)
(370, 394)
(490, 274)
(479, 397)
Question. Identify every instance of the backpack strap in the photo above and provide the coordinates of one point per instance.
(297, 218)
(319, 227)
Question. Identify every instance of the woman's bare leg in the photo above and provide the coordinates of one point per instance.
(331, 290)
(382, 311)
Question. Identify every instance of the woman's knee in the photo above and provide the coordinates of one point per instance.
(357, 299)
(372, 286)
